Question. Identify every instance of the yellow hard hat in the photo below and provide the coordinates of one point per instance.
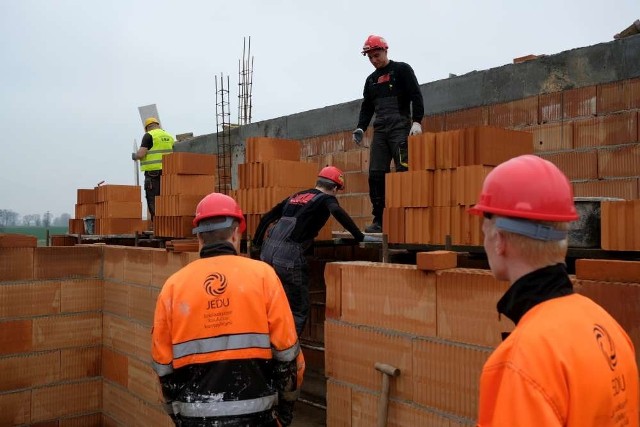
(151, 120)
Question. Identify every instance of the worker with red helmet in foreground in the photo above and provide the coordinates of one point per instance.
(567, 362)
(393, 94)
(223, 341)
(299, 219)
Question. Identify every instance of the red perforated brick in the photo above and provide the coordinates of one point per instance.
(115, 366)
(16, 264)
(436, 260)
(28, 371)
(470, 117)
(550, 107)
(575, 164)
(612, 97)
(619, 161)
(65, 331)
(579, 102)
(15, 336)
(626, 188)
(608, 270)
(522, 112)
(189, 163)
(65, 400)
(613, 129)
(67, 261)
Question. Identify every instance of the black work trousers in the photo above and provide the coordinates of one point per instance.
(152, 190)
(295, 281)
(389, 143)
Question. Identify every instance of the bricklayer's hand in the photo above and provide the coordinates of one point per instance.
(358, 134)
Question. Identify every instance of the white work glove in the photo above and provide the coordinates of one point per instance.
(358, 134)
(375, 239)
(416, 129)
(134, 157)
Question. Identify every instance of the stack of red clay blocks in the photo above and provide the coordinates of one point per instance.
(446, 170)
(186, 179)
(620, 225)
(272, 171)
(118, 209)
(85, 206)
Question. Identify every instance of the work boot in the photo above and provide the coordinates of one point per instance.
(375, 227)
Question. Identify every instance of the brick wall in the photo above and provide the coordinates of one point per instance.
(75, 338)
(75, 335)
(438, 328)
(51, 336)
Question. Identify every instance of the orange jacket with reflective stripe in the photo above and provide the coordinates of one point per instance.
(567, 363)
(222, 297)
(224, 308)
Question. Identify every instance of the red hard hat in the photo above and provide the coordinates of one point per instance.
(527, 187)
(334, 174)
(374, 42)
(219, 205)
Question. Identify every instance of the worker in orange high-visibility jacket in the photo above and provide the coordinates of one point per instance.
(224, 343)
(567, 362)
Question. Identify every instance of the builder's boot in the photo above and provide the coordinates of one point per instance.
(375, 227)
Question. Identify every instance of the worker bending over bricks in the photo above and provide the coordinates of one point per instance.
(299, 219)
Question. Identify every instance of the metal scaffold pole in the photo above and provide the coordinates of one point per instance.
(223, 134)
(245, 83)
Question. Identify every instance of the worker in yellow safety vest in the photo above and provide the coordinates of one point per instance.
(156, 143)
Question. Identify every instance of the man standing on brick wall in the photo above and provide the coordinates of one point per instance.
(224, 342)
(299, 219)
(393, 94)
(155, 144)
(567, 362)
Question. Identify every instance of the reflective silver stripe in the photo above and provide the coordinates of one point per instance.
(168, 408)
(161, 151)
(288, 354)
(151, 162)
(225, 408)
(228, 342)
(162, 370)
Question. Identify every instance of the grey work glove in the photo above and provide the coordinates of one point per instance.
(374, 239)
(358, 134)
(416, 129)
(134, 156)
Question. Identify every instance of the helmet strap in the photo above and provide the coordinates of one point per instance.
(228, 222)
(530, 229)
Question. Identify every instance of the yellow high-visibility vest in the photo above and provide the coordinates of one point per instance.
(162, 145)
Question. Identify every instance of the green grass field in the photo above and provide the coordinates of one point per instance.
(39, 232)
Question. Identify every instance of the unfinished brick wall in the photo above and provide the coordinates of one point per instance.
(75, 335)
(590, 133)
(51, 336)
(133, 278)
(438, 328)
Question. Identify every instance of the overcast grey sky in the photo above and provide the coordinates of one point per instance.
(75, 72)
